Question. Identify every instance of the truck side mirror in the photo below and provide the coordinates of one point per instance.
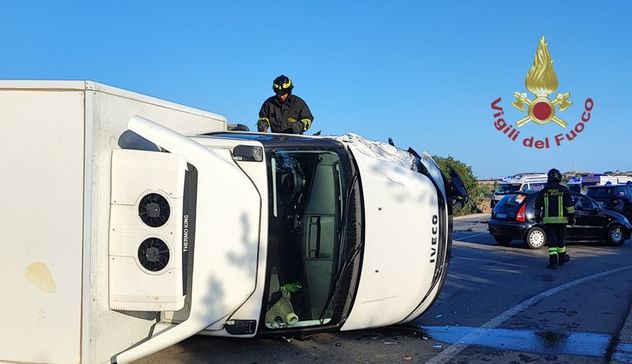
(131, 140)
(457, 193)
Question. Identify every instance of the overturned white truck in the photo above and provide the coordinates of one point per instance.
(133, 224)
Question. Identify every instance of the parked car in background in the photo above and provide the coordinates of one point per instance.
(514, 218)
(613, 197)
(521, 182)
(574, 184)
(602, 179)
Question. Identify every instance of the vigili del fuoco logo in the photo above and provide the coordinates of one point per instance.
(541, 109)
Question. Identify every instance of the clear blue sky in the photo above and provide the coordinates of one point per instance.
(423, 73)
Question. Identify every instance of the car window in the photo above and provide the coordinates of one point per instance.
(598, 192)
(511, 201)
(583, 203)
(609, 192)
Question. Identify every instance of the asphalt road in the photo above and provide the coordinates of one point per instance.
(499, 304)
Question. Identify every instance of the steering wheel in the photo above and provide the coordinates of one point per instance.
(292, 184)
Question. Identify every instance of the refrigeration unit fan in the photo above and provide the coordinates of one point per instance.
(154, 210)
(146, 231)
(153, 254)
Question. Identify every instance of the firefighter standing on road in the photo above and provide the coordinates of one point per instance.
(284, 112)
(554, 207)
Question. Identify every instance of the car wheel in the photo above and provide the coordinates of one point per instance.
(503, 239)
(535, 238)
(615, 235)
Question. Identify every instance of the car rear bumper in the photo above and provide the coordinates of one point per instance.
(509, 229)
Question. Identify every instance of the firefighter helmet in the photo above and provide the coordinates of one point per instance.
(554, 176)
(282, 84)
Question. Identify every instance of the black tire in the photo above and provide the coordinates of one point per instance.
(503, 240)
(615, 235)
(535, 238)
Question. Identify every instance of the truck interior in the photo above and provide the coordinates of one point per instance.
(304, 243)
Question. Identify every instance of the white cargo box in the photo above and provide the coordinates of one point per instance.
(55, 153)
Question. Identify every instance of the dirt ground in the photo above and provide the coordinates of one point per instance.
(483, 205)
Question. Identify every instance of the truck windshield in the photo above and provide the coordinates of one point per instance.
(505, 188)
(306, 211)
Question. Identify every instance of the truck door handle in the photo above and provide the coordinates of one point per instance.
(313, 238)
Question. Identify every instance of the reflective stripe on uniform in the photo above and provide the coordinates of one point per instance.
(552, 250)
(561, 250)
(560, 205)
(264, 119)
(546, 207)
(555, 220)
(570, 209)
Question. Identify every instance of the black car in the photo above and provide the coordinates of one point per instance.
(514, 218)
(613, 197)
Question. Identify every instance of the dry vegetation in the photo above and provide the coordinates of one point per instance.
(486, 187)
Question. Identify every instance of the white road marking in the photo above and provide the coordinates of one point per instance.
(524, 340)
(455, 349)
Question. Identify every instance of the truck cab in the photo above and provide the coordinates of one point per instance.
(320, 234)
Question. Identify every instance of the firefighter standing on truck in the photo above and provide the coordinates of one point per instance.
(555, 209)
(284, 112)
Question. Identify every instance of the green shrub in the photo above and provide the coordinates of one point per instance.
(474, 189)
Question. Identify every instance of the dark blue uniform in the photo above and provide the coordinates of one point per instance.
(282, 117)
(554, 207)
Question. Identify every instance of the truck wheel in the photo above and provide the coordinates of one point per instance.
(503, 240)
(615, 235)
(535, 238)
